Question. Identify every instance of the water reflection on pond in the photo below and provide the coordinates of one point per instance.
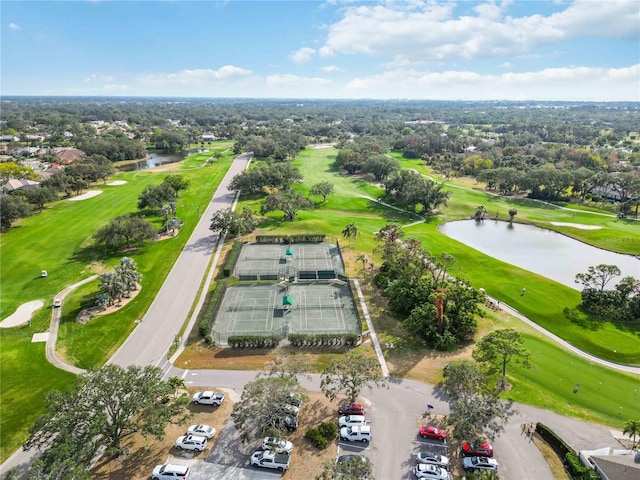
(538, 250)
(155, 159)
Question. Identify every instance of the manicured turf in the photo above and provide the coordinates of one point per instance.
(58, 240)
(604, 395)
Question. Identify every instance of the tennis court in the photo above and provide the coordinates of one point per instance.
(279, 261)
(281, 309)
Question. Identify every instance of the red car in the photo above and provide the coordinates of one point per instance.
(351, 409)
(477, 449)
(432, 432)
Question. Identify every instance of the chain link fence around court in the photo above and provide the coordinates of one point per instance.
(321, 307)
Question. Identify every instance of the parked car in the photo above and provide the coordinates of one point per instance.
(289, 422)
(430, 431)
(202, 430)
(477, 464)
(57, 303)
(433, 459)
(279, 445)
(351, 409)
(470, 449)
(292, 409)
(425, 470)
(208, 398)
(357, 433)
(294, 399)
(350, 420)
(191, 442)
(169, 471)
(269, 459)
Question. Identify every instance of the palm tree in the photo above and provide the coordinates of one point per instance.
(512, 213)
(632, 428)
(350, 231)
(362, 258)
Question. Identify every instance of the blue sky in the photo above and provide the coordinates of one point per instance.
(586, 50)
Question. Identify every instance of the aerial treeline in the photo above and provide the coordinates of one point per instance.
(114, 147)
(620, 304)
(266, 176)
(434, 306)
(277, 143)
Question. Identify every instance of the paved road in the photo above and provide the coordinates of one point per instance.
(148, 343)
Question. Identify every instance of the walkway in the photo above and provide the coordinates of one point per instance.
(52, 356)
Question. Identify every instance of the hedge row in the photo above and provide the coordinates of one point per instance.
(302, 238)
(576, 470)
(232, 258)
(323, 339)
(253, 341)
(214, 299)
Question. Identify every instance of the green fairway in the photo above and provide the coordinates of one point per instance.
(604, 395)
(58, 240)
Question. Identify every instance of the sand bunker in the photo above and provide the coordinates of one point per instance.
(84, 196)
(117, 182)
(576, 225)
(22, 314)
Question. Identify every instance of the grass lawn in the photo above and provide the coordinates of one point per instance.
(58, 240)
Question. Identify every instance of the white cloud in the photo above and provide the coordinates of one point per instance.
(331, 69)
(295, 81)
(94, 77)
(430, 32)
(577, 83)
(506, 65)
(196, 77)
(14, 26)
(303, 55)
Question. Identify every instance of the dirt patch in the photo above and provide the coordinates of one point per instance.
(576, 225)
(122, 303)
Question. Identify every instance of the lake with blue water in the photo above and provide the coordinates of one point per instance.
(538, 250)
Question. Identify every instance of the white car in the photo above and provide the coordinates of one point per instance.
(433, 472)
(171, 472)
(202, 430)
(191, 442)
(292, 409)
(433, 459)
(278, 445)
(478, 464)
(57, 303)
(351, 420)
(357, 433)
(208, 398)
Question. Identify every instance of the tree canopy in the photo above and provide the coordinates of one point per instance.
(127, 230)
(350, 374)
(500, 348)
(104, 407)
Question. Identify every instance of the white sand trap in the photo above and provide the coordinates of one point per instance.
(40, 337)
(22, 314)
(117, 182)
(84, 196)
(576, 225)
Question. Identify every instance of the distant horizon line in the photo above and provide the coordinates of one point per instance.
(294, 99)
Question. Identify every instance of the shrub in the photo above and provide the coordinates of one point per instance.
(316, 438)
(232, 258)
(253, 341)
(323, 339)
(215, 297)
(321, 436)
(328, 430)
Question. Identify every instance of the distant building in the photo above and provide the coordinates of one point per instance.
(208, 137)
(613, 464)
(69, 155)
(18, 184)
(9, 138)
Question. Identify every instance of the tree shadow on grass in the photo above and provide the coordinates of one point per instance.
(583, 319)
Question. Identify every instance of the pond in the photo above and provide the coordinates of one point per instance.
(538, 250)
(155, 159)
